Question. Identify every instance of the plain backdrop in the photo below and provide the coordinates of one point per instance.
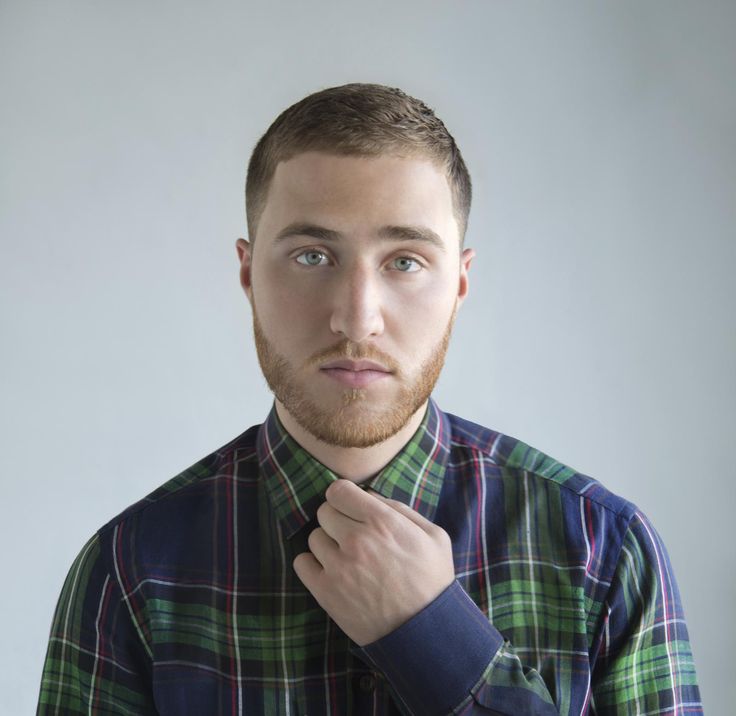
(601, 322)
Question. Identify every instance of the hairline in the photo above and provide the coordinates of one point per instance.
(397, 151)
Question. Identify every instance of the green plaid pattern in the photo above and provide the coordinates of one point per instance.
(186, 602)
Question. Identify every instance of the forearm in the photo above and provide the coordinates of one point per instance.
(449, 659)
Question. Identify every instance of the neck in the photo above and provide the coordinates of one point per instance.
(356, 464)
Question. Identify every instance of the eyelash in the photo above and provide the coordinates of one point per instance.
(322, 253)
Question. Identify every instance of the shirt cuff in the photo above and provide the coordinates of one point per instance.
(433, 660)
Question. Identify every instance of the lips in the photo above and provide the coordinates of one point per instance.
(355, 365)
(355, 373)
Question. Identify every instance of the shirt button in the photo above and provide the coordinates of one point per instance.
(367, 682)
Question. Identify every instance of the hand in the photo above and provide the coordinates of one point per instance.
(374, 562)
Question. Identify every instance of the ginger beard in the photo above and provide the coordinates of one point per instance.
(349, 426)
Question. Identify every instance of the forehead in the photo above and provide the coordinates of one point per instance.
(358, 194)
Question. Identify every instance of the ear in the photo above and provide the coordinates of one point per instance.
(465, 260)
(245, 256)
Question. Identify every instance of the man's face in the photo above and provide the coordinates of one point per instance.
(352, 312)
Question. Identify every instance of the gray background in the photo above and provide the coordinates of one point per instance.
(600, 323)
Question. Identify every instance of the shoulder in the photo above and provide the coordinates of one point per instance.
(509, 456)
(192, 483)
(163, 527)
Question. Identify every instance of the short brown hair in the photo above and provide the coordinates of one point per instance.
(357, 119)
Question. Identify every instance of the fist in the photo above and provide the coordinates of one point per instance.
(373, 562)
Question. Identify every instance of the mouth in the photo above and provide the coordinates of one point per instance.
(355, 374)
(355, 365)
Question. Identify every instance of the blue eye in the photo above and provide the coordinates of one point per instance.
(405, 263)
(311, 258)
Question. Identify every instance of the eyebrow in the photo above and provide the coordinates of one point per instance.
(388, 233)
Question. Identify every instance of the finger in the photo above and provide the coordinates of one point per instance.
(346, 497)
(406, 511)
(323, 547)
(308, 569)
(334, 523)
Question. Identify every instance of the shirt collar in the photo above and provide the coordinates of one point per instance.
(296, 481)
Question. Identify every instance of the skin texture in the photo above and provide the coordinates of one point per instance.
(373, 562)
(344, 425)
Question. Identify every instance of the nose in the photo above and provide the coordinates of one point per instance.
(357, 305)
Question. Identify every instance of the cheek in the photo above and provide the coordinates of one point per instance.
(288, 314)
(420, 317)
(432, 297)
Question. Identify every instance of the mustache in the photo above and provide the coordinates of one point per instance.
(346, 349)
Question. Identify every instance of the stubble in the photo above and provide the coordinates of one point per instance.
(357, 422)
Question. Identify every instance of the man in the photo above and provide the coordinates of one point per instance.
(361, 551)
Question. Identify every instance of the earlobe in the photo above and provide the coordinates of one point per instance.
(245, 256)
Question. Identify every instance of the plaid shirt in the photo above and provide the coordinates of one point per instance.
(564, 600)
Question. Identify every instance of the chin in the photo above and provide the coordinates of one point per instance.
(350, 420)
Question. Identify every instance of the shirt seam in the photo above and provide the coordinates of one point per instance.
(626, 510)
(136, 508)
(107, 562)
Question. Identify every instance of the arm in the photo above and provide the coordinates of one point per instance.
(96, 662)
(385, 575)
(449, 659)
(644, 662)
(441, 654)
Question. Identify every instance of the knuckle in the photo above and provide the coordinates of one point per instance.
(335, 488)
(441, 536)
(386, 517)
(352, 543)
(296, 564)
(312, 537)
(389, 529)
(321, 510)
